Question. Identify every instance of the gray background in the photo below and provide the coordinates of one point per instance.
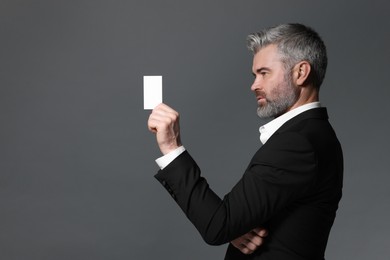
(77, 160)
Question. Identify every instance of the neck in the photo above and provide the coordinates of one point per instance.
(307, 95)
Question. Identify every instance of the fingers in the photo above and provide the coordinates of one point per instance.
(164, 122)
(244, 245)
(246, 249)
(255, 239)
(261, 232)
(162, 117)
(252, 240)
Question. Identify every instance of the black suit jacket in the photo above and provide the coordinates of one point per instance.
(292, 186)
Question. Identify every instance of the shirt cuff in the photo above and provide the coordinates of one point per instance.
(163, 161)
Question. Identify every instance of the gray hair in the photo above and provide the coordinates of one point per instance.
(295, 42)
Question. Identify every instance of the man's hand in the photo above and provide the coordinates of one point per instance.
(164, 122)
(249, 242)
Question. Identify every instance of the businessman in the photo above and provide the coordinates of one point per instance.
(285, 203)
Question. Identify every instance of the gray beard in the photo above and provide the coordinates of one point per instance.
(283, 101)
(276, 108)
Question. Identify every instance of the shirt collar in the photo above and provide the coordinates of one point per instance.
(267, 130)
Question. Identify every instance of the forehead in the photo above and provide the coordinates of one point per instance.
(268, 56)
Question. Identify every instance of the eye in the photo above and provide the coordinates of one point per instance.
(263, 71)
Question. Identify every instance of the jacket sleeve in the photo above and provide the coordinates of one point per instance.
(281, 172)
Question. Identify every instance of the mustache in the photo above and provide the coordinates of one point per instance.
(259, 93)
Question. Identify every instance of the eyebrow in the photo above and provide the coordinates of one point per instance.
(261, 69)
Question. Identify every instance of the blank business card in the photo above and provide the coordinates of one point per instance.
(152, 91)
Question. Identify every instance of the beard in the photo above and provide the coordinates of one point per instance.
(284, 96)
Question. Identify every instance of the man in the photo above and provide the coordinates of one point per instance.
(293, 184)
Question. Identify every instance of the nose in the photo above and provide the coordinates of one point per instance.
(255, 85)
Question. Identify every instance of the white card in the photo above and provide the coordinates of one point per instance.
(152, 91)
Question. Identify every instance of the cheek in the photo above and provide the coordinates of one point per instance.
(276, 90)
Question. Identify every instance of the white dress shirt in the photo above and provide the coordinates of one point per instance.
(163, 161)
(266, 131)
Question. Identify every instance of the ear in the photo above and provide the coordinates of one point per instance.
(301, 72)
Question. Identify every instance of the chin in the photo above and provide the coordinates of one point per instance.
(262, 113)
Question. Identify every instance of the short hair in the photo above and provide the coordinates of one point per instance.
(295, 42)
